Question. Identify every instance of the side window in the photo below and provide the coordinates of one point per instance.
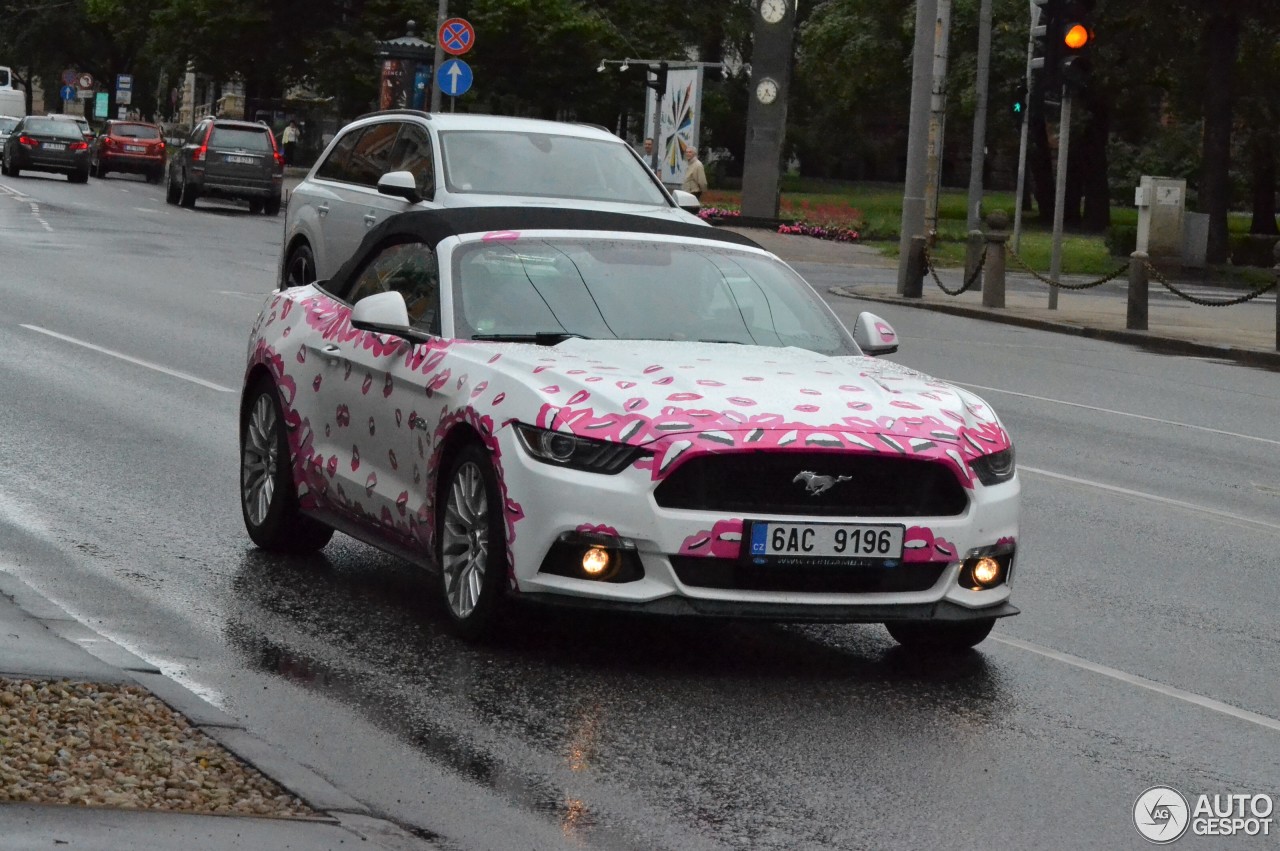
(410, 269)
(370, 155)
(197, 134)
(334, 166)
(412, 153)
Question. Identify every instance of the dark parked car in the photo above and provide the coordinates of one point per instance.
(129, 146)
(44, 144)
(237, 160)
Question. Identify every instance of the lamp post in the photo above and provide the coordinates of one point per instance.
(406, 56)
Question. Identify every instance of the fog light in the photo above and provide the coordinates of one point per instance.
(986, 572)
(595, 561)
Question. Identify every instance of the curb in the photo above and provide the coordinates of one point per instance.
(1162, 345)
(322, 796)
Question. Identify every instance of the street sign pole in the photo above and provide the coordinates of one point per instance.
(1022, 145)
(1059, 201)
(442, 15)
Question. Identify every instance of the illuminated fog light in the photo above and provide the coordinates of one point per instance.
(986, 572)
(595, 561)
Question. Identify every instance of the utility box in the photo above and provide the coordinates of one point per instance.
(1195, 239)
(1161, 203)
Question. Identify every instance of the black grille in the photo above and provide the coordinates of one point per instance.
(733, 574)
(764, 483)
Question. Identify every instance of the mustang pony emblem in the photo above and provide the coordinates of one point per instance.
(816, 484)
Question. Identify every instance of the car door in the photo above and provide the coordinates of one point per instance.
(194, 141)
(370, 396)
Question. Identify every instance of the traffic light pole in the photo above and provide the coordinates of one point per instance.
(913, 206)
(1060, 191)
(1026, 120)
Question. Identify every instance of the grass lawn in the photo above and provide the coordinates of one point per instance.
(874, 210)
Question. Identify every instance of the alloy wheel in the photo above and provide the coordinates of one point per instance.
(260, 460)
(465, 544)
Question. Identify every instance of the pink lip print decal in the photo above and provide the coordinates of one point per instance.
(332, 466)
(852, 388)
(315, 385)
(807, 409)
(752, 378)
(598, 528)
(327, 430)
(387, 386)
(920, 544)
(886, 333)
(344, 416)
(501, 236)
(742, 401)
(372, 428)
(680, 397)
(355, 458)
(495, 358)
(538, 369)
(806, 391)
(399, 417)
(497, 400)
(479, 388)
(636, 404)
(708, 382)
(625, 385)
(402, 502)
(580, 396)
(554, 388)
(652, 369)
(723, 541)
(368, 382)
(302, 354)
(370, 483)
(346, 373)
(667, 380)
(391, 459)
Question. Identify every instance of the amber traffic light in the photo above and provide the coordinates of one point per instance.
(1077, 37)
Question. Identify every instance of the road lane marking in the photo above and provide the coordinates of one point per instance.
(1163, 500)
(130, 359)
(1142, 682)
(1124, 414)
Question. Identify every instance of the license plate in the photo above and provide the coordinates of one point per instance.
(54, 147)
(232, 158)
(135, 148)
(833, 544)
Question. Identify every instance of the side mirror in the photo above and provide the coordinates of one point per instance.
(687, 201)
(382, 313)
(874, 335)
(400, 184)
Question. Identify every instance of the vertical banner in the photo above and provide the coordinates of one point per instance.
(680, 116)
(391, 92)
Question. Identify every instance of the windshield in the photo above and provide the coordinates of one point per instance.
(135, 131)
(7, 124)
(244, 140)
(634, 290)
(487, 162)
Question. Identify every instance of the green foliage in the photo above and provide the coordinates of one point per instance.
(1121, 239)
(1253, 250)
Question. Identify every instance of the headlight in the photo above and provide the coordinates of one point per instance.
(994, 468)
(576, 453)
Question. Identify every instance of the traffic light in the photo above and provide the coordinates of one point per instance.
(1046, 17)
(1076, 40)
(1019, 105)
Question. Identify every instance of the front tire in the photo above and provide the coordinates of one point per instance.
(301, 268)
(268, 499)
(472, 545)
(940, 636)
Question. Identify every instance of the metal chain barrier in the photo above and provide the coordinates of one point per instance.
(1155, 273)
(969, 282)
(1059, 284)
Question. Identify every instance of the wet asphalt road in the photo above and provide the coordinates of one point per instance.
(1146, 652)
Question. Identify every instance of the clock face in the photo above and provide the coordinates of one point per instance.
(773, 10)
(766, 91)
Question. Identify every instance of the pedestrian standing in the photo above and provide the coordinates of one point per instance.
(289, 139)
(695, 176)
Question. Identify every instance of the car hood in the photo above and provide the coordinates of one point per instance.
(723, 395)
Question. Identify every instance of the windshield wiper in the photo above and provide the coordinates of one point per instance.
(540, 338)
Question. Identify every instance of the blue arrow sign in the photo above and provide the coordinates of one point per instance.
(454, 77)
(68, 93)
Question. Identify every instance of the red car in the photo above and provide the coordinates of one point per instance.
(129, 146)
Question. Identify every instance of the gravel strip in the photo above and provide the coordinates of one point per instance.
(109, 745)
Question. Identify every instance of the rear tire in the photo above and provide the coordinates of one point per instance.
(940, 636)
(471, 545)
(78, 177)
(268, 499)
(255, 207)
(187, 194)
(154, 176)
(272, 207)
(171, 190)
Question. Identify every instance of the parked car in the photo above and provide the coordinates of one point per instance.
(7, 123)
(132, 147)
(398, 160)
(615, 411)
(37, 143)
(234, 160)
(82, 123)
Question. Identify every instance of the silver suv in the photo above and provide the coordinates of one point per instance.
(388, 162)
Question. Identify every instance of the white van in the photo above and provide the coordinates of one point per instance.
(13, 101)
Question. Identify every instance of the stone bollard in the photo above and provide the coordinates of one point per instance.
(994, 269)
(914, 287)
(973, 251)
(1136, 317)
